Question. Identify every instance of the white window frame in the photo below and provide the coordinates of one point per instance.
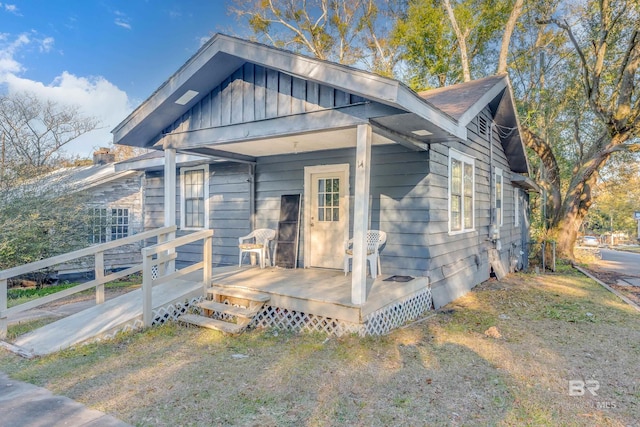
(464, 159)
(106, 228)
(116, 228)
(516, 206)
(98, 225)
(499, 173)
(183, 219)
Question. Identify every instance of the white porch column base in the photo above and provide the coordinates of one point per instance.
(361, 215)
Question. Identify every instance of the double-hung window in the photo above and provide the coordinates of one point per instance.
(499, 197)
(461, 192)
(194, 197)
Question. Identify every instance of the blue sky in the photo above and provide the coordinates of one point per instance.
(105, 55)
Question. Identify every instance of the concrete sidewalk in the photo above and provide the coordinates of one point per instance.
(25, 405)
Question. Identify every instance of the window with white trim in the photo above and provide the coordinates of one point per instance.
(461, 192)
(516, 206)
(119, 223)
(97, 225)
(499, 197)
(106, 225)
(194, 197)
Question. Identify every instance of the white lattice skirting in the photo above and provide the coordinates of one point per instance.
(160, 315)
(377, 323)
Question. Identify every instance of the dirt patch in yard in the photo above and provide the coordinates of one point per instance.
(446, 370)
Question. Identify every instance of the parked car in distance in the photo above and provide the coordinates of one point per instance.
(590, 241)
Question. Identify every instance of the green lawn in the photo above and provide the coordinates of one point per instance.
(446, 370)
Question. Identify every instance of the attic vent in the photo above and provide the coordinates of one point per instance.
(482, 126)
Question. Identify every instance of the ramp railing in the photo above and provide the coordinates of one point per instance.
(97, 251)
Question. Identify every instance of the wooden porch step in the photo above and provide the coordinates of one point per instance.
(238, 293)
(232, 310)
(207, 322)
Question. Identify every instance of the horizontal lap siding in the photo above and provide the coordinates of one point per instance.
(284, 174)
(460, 261)
(401, 200)
(124, 193)
(229, 211)
(399, 197)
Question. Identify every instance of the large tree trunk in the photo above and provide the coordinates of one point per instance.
(550, 182)
(574, 209)
(578, 199)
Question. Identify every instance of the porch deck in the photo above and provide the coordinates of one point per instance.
(321, 295)
(319, 292)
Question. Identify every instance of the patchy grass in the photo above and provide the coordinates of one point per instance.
(554, 329)
(15, 330)
(17, 296)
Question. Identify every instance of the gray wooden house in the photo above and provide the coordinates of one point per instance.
(443, 173)
(114, 203)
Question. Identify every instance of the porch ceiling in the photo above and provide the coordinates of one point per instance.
(293, 144)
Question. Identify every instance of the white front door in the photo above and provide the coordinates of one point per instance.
(326, 215)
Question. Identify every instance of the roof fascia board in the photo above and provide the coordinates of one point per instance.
(405, 140)
(345, 78)
(513, 106)
(157, 162)
(525, 183)
(484, 100)
(413, 103)
(117, 175)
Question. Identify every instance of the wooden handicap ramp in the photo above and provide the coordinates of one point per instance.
(108, 318)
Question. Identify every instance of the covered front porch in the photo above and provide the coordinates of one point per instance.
(320, 299)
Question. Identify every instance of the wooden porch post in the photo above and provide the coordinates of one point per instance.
(170, 198)
(361, 215)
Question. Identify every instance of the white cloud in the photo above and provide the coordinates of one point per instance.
(121, 23)
(122, 20)
(46, 44)
(11, 8)
(95, 96)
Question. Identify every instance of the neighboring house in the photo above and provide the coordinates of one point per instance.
(114, 202)
(443, 173)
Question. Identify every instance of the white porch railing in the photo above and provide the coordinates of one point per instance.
(97, 251)
(161, 255)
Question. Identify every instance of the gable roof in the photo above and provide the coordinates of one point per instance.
(465, 101)
(459, 100)
(223, 54)
(71, 180)
(445, 112)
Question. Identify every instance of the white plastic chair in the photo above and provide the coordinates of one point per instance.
(375, 239)
(259, 244)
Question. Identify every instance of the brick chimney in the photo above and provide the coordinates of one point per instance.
(103, 157)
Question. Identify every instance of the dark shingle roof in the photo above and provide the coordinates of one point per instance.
(455, 100)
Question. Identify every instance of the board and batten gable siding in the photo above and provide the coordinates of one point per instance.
(229, 211)
(399, 199)
(254, 93)
(460, 261)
